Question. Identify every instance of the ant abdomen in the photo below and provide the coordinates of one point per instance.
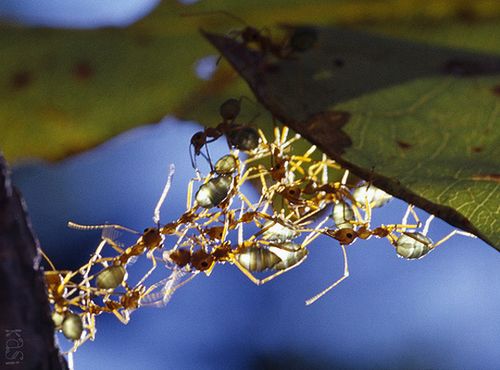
(343, 215)
(289, 253)
(72, 326)
(226, 165)
(372, 195)
(413, 245)
(276, 232)
(244, 138)
(111, 277)
(257, 259)
(212, 193)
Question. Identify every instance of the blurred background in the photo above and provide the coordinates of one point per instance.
(441, 312)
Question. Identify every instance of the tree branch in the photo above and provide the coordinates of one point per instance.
(26, 329)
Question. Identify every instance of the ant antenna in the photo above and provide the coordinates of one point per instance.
(47, 259)
(156, 215)
(193, 158)
(74, 225)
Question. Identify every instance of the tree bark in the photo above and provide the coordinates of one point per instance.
(26, 329)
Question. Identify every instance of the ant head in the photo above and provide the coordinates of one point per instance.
(345, 236)
(198, 140)
(292, 193)
(180, 257)
(212, 193)
(151, 237)
(216, 232)
(201, 260)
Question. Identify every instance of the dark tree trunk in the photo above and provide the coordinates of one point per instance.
(26, 329)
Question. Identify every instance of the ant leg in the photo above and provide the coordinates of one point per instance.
(208, 158)
(156, 214)
(71, 363)
(168, 295)
(262, 137)
(246, 201)
(459, 232)
(46, 258)
(278, 273)
(91, 326)
(246, 272)
(344, 276)
(151, 298)
(324, 167)
(240, 228)
(306, 157)
(150, 271)
(290, 141)
(316, 232)
(404, 220)
(112, 244)
(189, 196)
(277, 133)
(124, 318)
(343, 181)
(425, 230)
(415, 216)
(168, 287)
(284, 135)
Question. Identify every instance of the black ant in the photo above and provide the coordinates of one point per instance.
(250, 36)
(299, 39)
(238, 136)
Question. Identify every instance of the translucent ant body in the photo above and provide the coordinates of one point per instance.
(151, 239)
(367, 193)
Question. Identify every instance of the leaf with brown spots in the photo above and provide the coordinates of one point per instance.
(413, 117)
(64, 90)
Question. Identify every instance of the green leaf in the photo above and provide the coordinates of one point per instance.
(419, 122)
(62, 91)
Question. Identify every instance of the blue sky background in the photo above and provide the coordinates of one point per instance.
(441, 312)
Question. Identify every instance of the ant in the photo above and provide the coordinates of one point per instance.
(410, 244)
(250, 36)
(416, 244)
(150, 240)
(299, 39)
(241, 137)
